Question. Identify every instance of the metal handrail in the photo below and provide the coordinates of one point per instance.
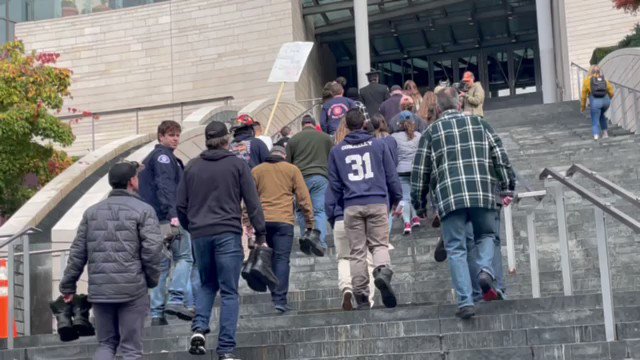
(614, 212)
(601, 208)
(298, 117)
(608, 184)
(612, 82)
(26, 231)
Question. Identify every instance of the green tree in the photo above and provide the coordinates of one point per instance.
(31, 88)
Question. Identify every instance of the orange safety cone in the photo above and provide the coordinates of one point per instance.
(4, 302)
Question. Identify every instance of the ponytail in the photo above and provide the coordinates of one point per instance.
(410, 129)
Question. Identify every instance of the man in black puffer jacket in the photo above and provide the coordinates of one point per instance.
(119, 239)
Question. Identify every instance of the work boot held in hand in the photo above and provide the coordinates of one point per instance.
(254, 283)
(382, 275)
(311, 241)
(262, 268)
(63, 313)
(81, 324)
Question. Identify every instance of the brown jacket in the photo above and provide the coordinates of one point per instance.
(472, 103)
(277, 183)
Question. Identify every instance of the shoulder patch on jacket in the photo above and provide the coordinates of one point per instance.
(164, 159)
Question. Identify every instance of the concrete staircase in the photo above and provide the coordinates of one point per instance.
(423, 326)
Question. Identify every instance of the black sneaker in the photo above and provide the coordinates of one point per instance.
(466, 312)
(196, 344)
(440, 254)
(159, 321)
(228, 357)
(489, 292)
(180, 311)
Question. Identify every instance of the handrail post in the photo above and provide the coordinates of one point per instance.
(137, 121)
(533, 254)
(11, 293)
(635, 113)
(605, 276)
(623, 104)
(93, 133)
(508, 229)
(578, 81)
(26, 286)
(565, 263)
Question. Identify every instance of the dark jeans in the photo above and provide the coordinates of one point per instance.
(120, 325)
(219, 260)
(280, 239)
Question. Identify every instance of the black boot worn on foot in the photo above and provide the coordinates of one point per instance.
(362, 302)
(63, 313)
(382, 279)
(81, 324)
(489, 292)
(466, 312)
(197, 344)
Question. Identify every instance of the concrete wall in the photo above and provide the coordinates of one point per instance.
(591, 24)
(174, 51)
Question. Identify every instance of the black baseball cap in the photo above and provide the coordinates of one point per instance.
(215, 129)
(122, 172)
(308, 119)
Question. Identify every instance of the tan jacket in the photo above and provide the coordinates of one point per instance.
(472, 103)
(277, 183)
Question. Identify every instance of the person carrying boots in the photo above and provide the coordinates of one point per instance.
(364, 181)
(464, 188)
(158, 183)
(278, 182)
(209, 206)
(119, 239)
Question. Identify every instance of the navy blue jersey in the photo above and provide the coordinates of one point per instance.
(159, 180)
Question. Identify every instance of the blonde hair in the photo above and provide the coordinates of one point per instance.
(342, 131)
(428, 109)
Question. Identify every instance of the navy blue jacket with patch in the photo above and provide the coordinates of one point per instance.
(159, 180)
(333, 111)
(249, 148)
(362, 172)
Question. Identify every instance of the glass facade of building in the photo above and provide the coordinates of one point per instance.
(15, 11)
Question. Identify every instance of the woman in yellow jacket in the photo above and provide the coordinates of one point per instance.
(599, 92)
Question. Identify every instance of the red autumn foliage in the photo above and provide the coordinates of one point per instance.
(627, 5)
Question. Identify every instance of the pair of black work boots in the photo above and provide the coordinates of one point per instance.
(257, 271)
(310, 243)
(72, 318)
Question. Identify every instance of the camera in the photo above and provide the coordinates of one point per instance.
(461, 87)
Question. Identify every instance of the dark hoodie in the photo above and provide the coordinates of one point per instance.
(249, 148)
(362, 172)
(210, 193)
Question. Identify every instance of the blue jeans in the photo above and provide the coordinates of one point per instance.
(180, 280)
(280, 239)
(598, 107)
(472, 254)
(219, 260)
(317, 185)
(454, 233)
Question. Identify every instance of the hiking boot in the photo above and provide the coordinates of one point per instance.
(440, 254)
(362, 302)
(262, 269)
(415, 222)
(347, 300)
(159, 321)
(311, 242)
(382, 275)
(197, 344)
(466, 312)
(489, 292)
(254, 283)
(407, 229)
(180, 311)
(228, 357)
(81, 324)
(63, 313)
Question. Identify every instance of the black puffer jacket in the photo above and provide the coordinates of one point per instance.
(119, 239)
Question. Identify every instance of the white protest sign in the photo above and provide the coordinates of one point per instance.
(290, 61)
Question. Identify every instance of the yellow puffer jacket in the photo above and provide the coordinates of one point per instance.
(586, 92)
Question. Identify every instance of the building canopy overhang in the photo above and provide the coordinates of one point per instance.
(415, 28)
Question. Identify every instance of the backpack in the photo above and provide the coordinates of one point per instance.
(598, 86)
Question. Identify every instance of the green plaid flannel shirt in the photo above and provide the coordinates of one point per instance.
(461, 159)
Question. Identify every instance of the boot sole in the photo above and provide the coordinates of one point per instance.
(388, 297)
(347, 301)
(196, 346)
(84, 330)
(258, 276)
(305, 247)
(488, 292)
(68, 333)
(179, 315)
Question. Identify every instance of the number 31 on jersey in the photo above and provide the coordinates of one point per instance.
(360, 166)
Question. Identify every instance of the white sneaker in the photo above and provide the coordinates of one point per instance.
(596, 137)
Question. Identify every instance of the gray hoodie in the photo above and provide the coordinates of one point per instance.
(406, 150)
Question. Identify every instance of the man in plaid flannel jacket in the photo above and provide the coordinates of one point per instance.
(466, 159)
